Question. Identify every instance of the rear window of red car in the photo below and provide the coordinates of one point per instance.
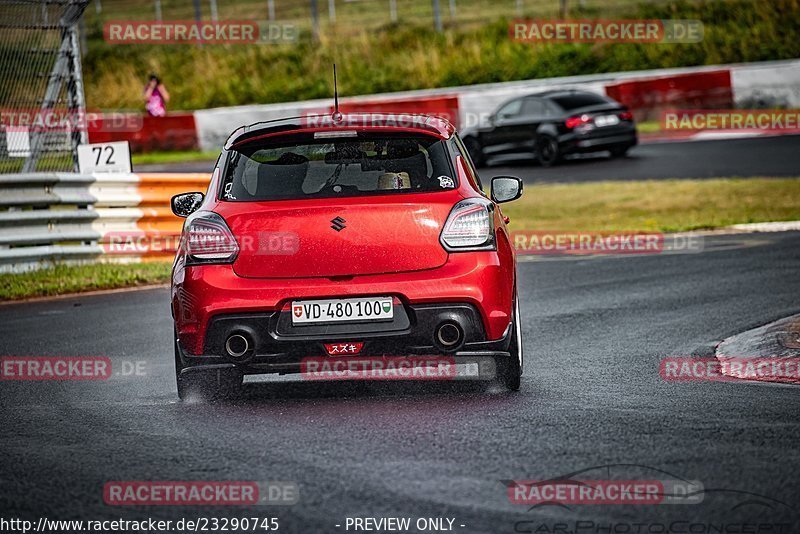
(337, 167)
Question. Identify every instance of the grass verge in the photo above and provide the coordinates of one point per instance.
(655, 205)
(663, 205)
(62, 279)
(648, 127)
(151, 158)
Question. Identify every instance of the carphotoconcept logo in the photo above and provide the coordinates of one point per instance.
(585, 488)
(640, 486)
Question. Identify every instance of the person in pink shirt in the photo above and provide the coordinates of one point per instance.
(155, 97)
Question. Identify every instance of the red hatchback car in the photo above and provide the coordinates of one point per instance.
(370, 231)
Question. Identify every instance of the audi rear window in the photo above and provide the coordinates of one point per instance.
(579, 100)
(337, 167)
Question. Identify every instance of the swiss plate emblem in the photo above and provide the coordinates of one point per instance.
(298, 310)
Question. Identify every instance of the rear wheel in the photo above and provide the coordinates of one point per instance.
(547, 151)
(475, 151)
(206, 384)
(509, 370)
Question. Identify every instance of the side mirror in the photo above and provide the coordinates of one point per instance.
(506, 188)
(185, 204)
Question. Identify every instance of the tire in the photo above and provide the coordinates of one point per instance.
(206, 385)
(180, 383)
(547, 150)
(618, 152)
(475, 152)
(509, 370)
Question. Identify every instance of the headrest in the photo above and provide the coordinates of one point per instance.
(394, 180)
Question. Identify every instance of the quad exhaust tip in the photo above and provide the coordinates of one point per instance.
(237, 345)
(449, 336)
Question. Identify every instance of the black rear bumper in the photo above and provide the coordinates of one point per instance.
(596, 142)
(279, 347)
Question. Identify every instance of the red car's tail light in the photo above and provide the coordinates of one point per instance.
(469, 226)
(578, 120)
(207, 239)
(626, 116)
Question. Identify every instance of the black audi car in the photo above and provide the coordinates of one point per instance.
(552, 124)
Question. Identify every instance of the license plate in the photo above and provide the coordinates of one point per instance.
(606, 120)
(342, 310)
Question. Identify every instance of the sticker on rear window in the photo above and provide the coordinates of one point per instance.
(445, 182)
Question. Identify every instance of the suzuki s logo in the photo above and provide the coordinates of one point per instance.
(338, 224)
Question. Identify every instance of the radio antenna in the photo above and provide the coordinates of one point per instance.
(337, 115)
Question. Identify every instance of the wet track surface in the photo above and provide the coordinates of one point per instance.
(595, 330)
(765, 156)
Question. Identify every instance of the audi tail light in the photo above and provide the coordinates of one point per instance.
(578, 120)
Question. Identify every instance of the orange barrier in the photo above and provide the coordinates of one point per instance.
(161, 227)
(156, 189)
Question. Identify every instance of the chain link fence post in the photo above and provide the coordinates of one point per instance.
(437, 16)
(315, 19)
(41, 85)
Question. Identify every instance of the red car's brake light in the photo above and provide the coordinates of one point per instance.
(578, 120)
(469, 226)
(207, 239)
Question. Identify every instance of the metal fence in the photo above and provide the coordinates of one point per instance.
(41, 89)
(332, 16)
(48, 218)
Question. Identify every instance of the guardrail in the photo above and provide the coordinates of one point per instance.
(61, 217)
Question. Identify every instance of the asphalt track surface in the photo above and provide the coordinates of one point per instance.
(751, 157)
(595, 330)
